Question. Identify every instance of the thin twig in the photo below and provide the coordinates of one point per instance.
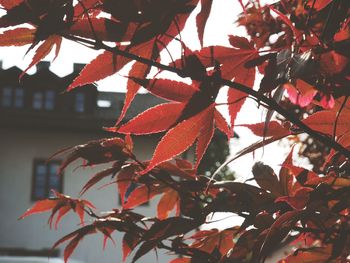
(337, 117)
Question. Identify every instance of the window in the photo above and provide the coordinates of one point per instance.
(79, 102)
(45, 178)
(49, 100)
(19, 98)
(6, 101)
(44, 100)
(38, 100)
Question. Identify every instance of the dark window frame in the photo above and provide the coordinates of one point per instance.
(47, 164)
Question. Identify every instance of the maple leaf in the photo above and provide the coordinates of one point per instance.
(180, 138)
(301, 94)
(273, 129)
(17, 37)
(156, 119)
(167, 203)
(96, 152)
(43, 50)
(202, 18)
(101, 29)
(61, 204)
(208, 240)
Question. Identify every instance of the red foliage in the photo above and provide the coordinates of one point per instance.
(300, 47)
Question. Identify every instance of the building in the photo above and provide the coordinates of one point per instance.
(37, 119)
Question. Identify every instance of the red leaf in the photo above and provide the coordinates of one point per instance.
(180, 138)
(8, 4)
(169, 89)
(104, 65)
(167, 203)
(208, 240)
(17, 37)
(202, 18)
(285, 177)
(181, 260)
(278, 230)
(302, 94)
(104, 29)
(204, 139)
(237, 98)
(125, 178)
(156, 119)
(138, 70)
(143, 194)
(286, 20)
(324, 121)
(40, 207)
(79, 10)
(129, 243)
(298, 200)
(176, 170)
(274, 128)
(319, 4)
(61, 213)
(44, 49)
(240, 42)
(99, 176)
(222, 125)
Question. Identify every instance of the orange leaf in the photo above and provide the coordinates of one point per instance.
(138, 70)
(167, 203)
(273, 128)
(44, 49)
(8, 4)
(181, 260)
(202, 18)
(180, 138)
(143, 194)
(156, 119)
(324, 121)
(222, 125)
(40, 207)
(169, 89)
(104, 65)
(204, 139)
(17, 37)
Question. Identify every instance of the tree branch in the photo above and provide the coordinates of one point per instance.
(224, 82)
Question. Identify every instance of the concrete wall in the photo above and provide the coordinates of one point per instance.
(18, 149)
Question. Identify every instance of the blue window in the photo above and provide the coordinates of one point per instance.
(80, 102)
(45, 178)
(6, 100)
(49, 100)
(19, 98)
(38, 100)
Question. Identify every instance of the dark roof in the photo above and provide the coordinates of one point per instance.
(101, 108)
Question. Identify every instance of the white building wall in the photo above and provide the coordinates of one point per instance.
(18, 150)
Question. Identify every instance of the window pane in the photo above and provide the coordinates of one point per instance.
(38, 100)
(39, 192)
(40, 181)
(19, 98)
(54, 178)
(41, 169)
(79, 102)
(6, 97)
(50, 100)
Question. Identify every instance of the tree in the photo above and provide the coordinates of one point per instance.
(301, 49)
